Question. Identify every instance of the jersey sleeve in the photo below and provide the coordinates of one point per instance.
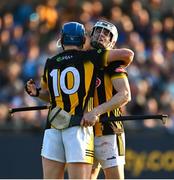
(115, 71)
(44, 78)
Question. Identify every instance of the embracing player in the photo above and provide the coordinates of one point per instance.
(111, 93)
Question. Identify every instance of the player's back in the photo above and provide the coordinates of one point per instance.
(70, 78)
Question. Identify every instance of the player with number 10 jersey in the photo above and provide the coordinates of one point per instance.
(70, 78)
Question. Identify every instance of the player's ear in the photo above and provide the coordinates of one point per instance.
(84, 40)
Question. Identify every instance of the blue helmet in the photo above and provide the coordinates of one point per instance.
(73, 33)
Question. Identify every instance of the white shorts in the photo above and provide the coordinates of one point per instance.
(75, 144)
(109, 151)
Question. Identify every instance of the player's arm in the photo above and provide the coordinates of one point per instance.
(42, 93)
(121, 98)
(123, 54)
(32, 90)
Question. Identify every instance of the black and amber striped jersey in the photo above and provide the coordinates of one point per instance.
(103, 92)
(70, 78)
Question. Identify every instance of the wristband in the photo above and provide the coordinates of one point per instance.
(37, 92)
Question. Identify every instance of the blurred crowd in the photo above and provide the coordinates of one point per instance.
(29, 30)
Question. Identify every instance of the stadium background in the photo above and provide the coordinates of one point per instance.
(29, 30)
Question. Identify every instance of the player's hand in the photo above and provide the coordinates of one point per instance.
(31, 88)
(89, 119)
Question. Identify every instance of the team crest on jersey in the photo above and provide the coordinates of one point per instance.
(119, 70)
(97, 83)
(99, 51)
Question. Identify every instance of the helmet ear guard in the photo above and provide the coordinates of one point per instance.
(84, 40)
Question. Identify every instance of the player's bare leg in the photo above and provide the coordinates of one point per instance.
(52, 169)
(79, 170)
(95, 172)
(116, 172)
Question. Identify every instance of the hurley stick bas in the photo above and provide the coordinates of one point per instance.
(30, 108)
(75, 120)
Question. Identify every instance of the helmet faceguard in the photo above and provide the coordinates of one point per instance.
(73, 33)
(106, 29)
